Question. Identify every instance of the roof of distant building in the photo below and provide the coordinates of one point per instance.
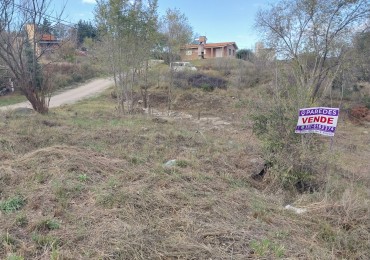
(211, 45)
(47, 37)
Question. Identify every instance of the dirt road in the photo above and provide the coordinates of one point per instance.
(70, 96)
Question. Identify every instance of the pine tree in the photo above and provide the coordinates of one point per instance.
(33, 68)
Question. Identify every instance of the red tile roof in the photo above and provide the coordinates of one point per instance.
(211, 45)
(47, 37)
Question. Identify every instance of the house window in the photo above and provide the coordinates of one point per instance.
(229, 52)
(189, 52)
(233, 52)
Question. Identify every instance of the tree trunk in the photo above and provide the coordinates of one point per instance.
(37, 102)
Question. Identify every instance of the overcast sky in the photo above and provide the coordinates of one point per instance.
(219, 20)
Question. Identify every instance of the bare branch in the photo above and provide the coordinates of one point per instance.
(307, 28)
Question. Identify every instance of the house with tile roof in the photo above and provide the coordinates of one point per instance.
(44, 42)
(200, 49)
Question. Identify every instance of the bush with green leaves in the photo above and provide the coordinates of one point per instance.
(296, 160)
(12, 204)
(245, 54)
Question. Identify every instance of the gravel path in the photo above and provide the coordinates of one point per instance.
(70, 96)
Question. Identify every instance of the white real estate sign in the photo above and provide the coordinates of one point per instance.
(320, 120)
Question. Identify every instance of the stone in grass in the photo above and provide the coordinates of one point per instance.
(170, 163)
(296, 210)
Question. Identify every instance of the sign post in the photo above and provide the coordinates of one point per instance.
(319, 120)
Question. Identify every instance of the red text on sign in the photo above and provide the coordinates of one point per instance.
(318, 119)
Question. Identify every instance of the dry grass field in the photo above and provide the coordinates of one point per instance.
(85, 183)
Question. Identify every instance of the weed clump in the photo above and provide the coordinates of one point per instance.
(12, 204)
(43, 241)
(48, 224)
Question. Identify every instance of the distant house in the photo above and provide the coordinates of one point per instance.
(200, 49)
(48, 42)
(44, 42)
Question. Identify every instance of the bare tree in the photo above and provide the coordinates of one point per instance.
(176, 32)
(314, 35)
(127, 29)
(19, 37)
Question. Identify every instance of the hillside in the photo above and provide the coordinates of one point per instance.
(86, 183)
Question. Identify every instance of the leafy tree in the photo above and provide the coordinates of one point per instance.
(85, 30)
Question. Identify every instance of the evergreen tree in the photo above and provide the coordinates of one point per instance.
(245, 54)
(85, 30)
(45, 28)
(33, 68)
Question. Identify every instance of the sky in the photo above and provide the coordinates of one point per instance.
(218, 20)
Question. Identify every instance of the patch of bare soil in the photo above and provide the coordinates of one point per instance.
(204, 123)
(361, 113)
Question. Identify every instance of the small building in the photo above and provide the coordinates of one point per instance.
(44, 42)
(200, 49)
(47, 43)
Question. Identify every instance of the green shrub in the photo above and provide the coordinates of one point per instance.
(77, 77)
(12, 204)
(366, 100)
(43, 241)
(14, 257)
(21, 220)
(182, 163)
(266, 247)
(296, 160)
(48, 224)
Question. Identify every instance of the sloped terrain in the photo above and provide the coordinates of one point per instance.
(86, 183)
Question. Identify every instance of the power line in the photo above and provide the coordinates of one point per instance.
(55, 19)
